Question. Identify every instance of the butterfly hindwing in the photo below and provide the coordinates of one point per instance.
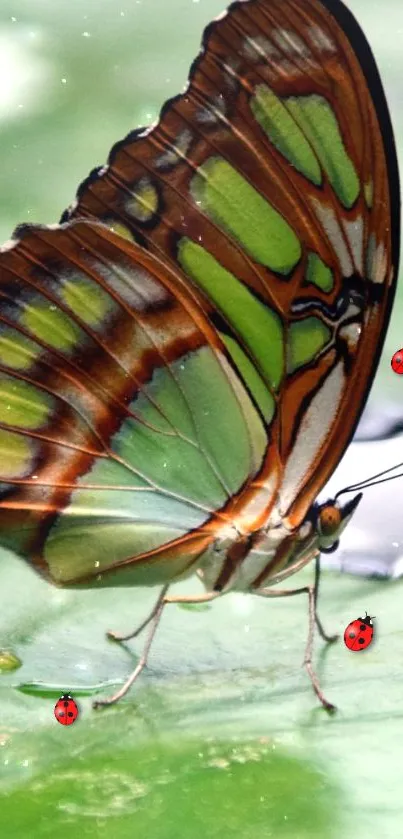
(119, 412)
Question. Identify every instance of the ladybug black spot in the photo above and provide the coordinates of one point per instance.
(66, 704)
(351, 634)
(70, 714)
(361, 640)
(363, 627)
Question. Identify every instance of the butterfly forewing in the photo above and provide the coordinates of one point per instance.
(272, 183)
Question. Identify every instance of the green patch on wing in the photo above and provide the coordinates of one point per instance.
(16, 350)
(22, 404)
(51, 325)
(306, 338)
(143, 204)
(256, 324)
(284, 132)
(174, 464)
(306, 132)
(250, 375)
(235, 206)
(318, 122)
(318, 273)
(16, 455)
(87, 300)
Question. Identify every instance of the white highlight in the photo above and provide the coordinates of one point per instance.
(351, 334)
(254, 49)
(377, 260)
(291, 43)
(355, 235)
(257, 505)
(257, 559)
(333, 230)
(214, 112)
(312, 433)
(305, 530)
(177, 152)
(135, 286)
(12, 243)
(320, 39)
(231, 68)
(9, 245)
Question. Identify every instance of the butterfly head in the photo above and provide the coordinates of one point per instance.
(331, 519)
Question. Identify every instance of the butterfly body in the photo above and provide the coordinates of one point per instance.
(184, 360)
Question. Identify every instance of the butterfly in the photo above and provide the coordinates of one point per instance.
(185, 358)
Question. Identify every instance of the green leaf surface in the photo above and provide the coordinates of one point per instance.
(222, 736)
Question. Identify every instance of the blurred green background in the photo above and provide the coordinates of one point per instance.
(222, 737)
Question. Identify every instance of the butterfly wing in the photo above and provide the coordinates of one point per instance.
(204, 382)
(272, 183)
(120, 411)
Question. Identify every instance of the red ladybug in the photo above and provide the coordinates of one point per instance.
(359, 634)
(66, 710)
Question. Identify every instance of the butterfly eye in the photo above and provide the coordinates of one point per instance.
(329, 525)
(329, 520)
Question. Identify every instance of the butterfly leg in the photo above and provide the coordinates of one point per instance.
(330, 639)
(310, 591)
(116, 636)
(154, 618)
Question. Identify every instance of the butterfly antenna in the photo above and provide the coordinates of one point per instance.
(374, 480)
